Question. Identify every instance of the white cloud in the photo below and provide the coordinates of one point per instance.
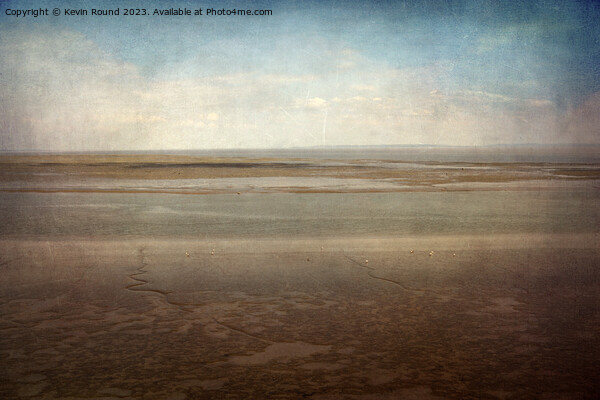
(312, 103)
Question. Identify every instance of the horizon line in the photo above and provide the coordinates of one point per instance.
(316, 147)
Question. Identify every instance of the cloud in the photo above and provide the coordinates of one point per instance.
(582, 124)
(59, 91)
(313, 103)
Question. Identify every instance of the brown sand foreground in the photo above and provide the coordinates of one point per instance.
(480, 317)
(115, 287)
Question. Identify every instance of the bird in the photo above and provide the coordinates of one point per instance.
(412, 252)
(430, 253)
(212, 253)
(187, 254)
(366, 261)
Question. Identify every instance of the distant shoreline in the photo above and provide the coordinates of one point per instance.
(185, 174)
(562, 153)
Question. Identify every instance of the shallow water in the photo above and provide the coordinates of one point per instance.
(525, 153)
(298, 215)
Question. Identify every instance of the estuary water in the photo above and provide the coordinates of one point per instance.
(297, 215)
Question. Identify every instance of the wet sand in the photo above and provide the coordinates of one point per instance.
(461, 308)
(500, 317)
(209, 175)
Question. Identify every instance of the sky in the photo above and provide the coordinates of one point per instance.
(314, 73)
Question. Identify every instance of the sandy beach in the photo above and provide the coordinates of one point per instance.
(411, 281)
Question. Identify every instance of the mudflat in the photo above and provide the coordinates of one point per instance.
(202, 175)
(358, 292)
